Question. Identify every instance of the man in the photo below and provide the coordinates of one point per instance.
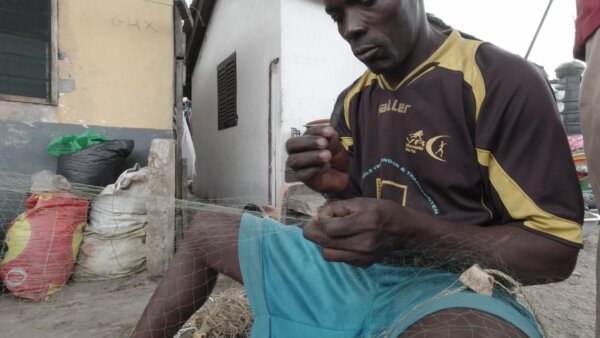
(587, 48)
(437, 159)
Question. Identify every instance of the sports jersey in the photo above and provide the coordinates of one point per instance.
(472, 135)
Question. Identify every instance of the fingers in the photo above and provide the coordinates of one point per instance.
(340, 219)
(319, 160)
(336, 209)
(306, 143)
(353, 258)
(315, 138)
(360, 242)
(327, 132)
(315, 158)
(331, 135)
(339, 251)
(308, 175)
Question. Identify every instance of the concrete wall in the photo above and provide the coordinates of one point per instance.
(23, 151)
(115, 66)
(317, 64)
(234, 162)
(115, 72)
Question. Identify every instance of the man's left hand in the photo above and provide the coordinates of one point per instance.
(359, 231)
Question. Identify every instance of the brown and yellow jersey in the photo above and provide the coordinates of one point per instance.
(472, 135)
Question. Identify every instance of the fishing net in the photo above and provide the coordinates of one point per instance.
(227, 314)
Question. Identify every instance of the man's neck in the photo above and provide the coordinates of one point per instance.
(427, 43)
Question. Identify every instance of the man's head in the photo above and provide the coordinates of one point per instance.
(382, 33)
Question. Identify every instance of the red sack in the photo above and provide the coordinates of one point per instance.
(43, 243)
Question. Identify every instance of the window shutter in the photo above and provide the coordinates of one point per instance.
(25, 48)
(227, 92)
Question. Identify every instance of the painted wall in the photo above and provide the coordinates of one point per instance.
(115, 66)
(23, 151)
(234, 162)
(317, 64)
(115, 75)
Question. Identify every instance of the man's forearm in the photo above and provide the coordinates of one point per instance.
(528, 257)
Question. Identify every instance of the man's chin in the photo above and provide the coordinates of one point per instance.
(376, 69)
(382, 67)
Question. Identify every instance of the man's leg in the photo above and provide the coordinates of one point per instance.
(460, 323)
(209, 247)
(590, 122)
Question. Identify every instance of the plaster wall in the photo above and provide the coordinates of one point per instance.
(234, 162)
(317, 64)
(115, 66)
(115, 69)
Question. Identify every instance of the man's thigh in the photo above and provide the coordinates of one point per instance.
(212, 239)
(460, 323)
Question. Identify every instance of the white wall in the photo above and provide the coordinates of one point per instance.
(317, 64)
(234, 162)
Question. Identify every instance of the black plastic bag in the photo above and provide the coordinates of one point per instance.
(98, 165)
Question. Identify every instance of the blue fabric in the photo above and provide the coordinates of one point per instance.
(294, 292)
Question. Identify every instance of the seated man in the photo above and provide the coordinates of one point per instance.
(447, 152)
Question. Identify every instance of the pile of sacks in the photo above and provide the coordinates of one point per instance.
(114, 242)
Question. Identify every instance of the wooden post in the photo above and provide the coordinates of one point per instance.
(160, 238)
(178, 82)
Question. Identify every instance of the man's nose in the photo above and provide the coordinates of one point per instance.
(354, 25)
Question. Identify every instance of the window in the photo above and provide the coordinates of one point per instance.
(28, 51)
(227, 93)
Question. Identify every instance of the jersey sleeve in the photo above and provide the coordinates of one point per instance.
(523, 150)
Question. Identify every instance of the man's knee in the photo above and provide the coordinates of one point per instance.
(462, 323)
(212, 240)
(209, 228)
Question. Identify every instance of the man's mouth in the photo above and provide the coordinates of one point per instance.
(365, 53)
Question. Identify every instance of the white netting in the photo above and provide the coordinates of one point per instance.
(225, 314)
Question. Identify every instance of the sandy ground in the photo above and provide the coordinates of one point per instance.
(567, 309)
(111, 309)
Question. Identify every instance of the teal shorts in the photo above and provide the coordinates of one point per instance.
(294, 292)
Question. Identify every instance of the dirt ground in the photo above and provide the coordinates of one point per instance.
(111, 309)
(567, 309)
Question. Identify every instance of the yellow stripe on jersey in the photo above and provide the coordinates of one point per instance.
(365, 81)
(347, 142)
(522, 207)
(461, 58)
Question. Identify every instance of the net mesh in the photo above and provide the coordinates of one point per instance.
(226, 313)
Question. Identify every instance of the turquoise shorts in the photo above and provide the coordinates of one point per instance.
(294, 292)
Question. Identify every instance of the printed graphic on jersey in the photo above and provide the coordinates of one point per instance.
(389, 162)
(394, 106)
(435, 147)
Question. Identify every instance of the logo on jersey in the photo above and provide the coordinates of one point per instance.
(394, 106)
(435, 146)
(414, 142)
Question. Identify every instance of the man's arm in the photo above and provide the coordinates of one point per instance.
(363, 231)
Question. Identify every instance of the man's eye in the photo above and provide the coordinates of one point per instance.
(366, 3)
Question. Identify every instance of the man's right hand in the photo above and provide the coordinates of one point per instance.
(319, 160)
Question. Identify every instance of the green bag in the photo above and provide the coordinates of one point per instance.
(69, 144)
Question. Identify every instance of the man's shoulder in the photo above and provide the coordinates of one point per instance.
(496, 62)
